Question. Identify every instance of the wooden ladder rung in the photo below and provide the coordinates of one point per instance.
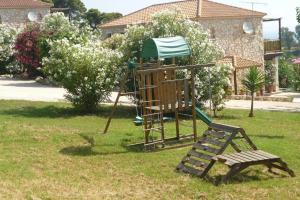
(186, 169)
(206, 148)
(200, 155)
(196, 163)
(219, 135)
(154, 129)
(212, 141)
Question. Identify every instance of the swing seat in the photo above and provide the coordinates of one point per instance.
(139, 121)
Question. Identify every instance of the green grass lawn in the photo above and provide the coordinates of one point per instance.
(48, 151)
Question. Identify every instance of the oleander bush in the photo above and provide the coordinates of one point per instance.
(88, 71)
(7, 37)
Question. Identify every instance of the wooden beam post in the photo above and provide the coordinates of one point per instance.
(194, 104)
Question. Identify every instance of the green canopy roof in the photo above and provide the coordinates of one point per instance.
(166, 48)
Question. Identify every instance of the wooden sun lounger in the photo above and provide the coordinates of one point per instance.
(240, 161)
(209, 149)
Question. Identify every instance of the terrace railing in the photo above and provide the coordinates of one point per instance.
(272, 46)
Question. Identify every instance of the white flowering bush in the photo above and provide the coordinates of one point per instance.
(56, 26)
(88, 71)
(214, 84)
(170, 23)
(7, 38)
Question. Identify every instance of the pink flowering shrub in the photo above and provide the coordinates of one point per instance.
(27, 51)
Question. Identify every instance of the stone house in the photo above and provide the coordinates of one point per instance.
(16, 11)
(227, 25)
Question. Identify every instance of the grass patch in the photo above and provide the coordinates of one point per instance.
(49, 151)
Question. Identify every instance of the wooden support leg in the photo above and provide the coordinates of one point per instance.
(233, 171)
(283, 166)
(122, 86)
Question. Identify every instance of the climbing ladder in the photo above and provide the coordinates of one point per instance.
(199, 160)
(153, 118)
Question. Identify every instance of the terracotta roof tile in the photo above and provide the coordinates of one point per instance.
(240, 63)
(24, 4)
(189, 8)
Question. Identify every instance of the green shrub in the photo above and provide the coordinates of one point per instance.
(87, 70)
(286, 72)
(7, 38)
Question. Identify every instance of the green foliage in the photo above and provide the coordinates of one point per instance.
(288, 38)
(296, 81)
(253, 82)
(7, 38)
(87, 70)
(286, 72)
(269, 73)
(107, 17)
(297, 34)
(77, 7)
(75, 58)
(219, 86)
(95, 17)
(298, 14)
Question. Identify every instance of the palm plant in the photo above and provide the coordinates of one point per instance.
(253, 82)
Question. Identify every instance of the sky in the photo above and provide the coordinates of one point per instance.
(286, 9)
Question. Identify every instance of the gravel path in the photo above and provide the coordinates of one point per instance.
(11, 89)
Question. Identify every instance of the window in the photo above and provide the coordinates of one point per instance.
(213, 33)
(108, 35)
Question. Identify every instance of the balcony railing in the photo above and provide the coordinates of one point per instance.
(272, 46)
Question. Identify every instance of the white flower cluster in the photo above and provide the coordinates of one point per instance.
(88, 70)
(7, 38)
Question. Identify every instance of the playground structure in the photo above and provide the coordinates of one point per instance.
(161, 91)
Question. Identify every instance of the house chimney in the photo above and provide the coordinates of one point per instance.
(199, 8)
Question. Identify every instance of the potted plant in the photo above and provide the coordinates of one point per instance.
(269, 76)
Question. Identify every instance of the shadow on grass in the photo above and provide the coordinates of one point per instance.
(244, 177)
(226, 117)
(52, 111)
(86, 150)
(268, 136)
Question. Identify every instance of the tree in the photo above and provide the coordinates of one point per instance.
(298, 14)
(77, 8)
(288, 38)
(95, 17)
(253, 82)
(297, 34)
(111, 16)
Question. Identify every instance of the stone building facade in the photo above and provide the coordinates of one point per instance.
(16, 11)
(19, 16)
(230, 36)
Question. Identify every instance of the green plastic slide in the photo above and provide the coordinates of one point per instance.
(203, 116)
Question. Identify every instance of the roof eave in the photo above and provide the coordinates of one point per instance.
(107, 26)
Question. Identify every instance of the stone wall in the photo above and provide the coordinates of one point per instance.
(107, 32)
(229, 35)
(18, 16)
